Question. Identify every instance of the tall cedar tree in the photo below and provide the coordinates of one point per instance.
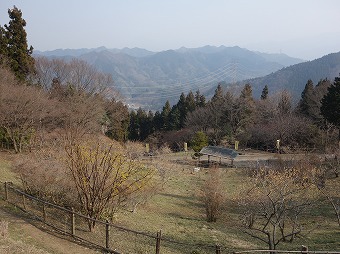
(134, 128)
(190, 102)
(307, 99)
(246, 106)
(182, 108)
(218, 96)
(264, 94)
(14, 45)
(157, 121)
(199, 99)
(330, 104)
(166, 115)
(175, 117)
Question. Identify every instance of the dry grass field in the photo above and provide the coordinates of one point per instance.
(178, 211)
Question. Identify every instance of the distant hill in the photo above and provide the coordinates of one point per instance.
(136, 52)
(295, 77)
(150, 78)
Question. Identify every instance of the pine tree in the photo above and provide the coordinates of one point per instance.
(166, 116)
(247, 92)
(218, 95)
(307, 102)
(246, 105)
(14, 45)
(320, 91)
(200, 99)
(311, 97)
(134, 126)
(265, 92)
(181, 106)
(175, 118)
(241, 113)
(330, 104)
(157, 121)
(144, 124)
(190, 102)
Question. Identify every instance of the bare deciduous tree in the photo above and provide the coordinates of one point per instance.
(77, 74)
(104, 178)
(330, 192)
(212, 194)
(274, 202)
(43, 174)
(22, 111)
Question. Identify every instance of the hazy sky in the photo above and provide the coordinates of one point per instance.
(306, 29)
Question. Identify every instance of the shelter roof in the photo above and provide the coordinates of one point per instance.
(218, 151)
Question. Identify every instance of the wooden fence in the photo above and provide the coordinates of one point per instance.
(107, 236)
(304, 250)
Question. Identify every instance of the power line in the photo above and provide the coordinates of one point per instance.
(231, 72)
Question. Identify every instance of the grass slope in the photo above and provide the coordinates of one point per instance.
(178, 211)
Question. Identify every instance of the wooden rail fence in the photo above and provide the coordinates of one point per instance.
(71, 223)
(108, 236)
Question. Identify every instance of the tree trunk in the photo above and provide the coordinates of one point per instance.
(271, 244)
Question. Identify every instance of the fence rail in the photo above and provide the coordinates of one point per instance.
(68, 222)
(303, 251)
(107, 236)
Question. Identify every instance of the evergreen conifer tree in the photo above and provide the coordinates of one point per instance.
(134, 126)
(218, 96)
(265, 92)
(199, 99)
(157, 121)
(14, 47)
(307, 102)
(182, 111)
(330, 104)
(166, 116)
(190, 102)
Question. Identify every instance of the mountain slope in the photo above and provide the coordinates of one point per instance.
(295, 77)
(149, 78)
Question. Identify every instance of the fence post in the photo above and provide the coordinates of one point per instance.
(107, 240)
(44, 212)
(218, 249)
(73, 222)
(6, 191)
(24, 201)
(304, 249)
(158, 241)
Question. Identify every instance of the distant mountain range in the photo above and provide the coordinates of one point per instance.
(148, 79)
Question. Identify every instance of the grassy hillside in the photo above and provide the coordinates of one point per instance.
(178, 211)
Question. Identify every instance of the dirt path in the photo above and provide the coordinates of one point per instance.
(34, 240)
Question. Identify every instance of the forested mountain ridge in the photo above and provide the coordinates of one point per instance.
(294, 78)
(146, 78)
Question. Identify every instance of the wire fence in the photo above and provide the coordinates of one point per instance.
(105, 236)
